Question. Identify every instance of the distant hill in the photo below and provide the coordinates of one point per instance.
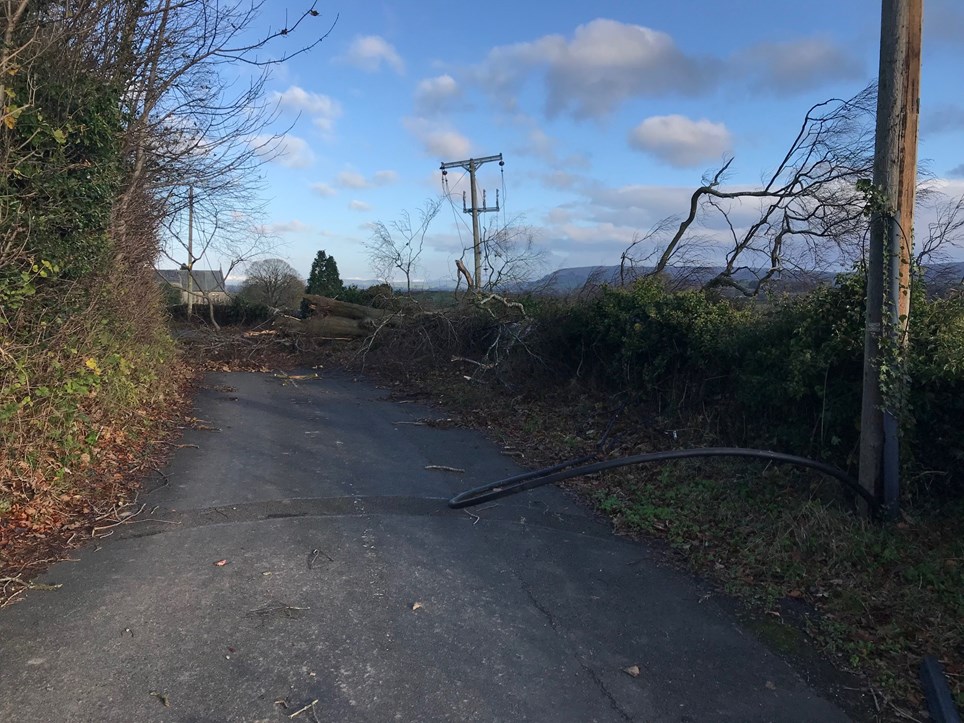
(566, 281)
(943, 277)
(938, 277)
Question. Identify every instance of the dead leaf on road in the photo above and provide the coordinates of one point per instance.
(165, 701)
(221, 563)
(417, 606)
(632, 670)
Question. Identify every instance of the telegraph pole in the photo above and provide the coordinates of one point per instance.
(891, 202)
(190, 251)
(907, 173)
(471, 165)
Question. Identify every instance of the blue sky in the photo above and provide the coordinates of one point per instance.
(607, 113)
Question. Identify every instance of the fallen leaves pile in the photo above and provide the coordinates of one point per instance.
(55, 509)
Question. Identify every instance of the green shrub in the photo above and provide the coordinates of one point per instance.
(239, 312)
(934, 430)
(653, 341)
(782, 373)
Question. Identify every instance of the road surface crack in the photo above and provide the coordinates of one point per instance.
(547, 613)
(605, 691)
(541, 608)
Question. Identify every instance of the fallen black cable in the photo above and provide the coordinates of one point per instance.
(568, 469)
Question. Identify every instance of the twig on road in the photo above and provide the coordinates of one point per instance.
(24, 585)
(175, 445)
(313, 555)
(475, 516)
(289, 611)
(443, 468)
(904, 714)
(310, 706)
(127, 518)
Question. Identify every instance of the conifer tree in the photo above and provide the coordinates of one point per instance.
(324, 279)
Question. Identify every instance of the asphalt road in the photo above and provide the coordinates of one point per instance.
(349, 582)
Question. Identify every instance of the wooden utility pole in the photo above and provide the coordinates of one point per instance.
(471, 165)
(190, 251)
(907, 173)
(895, 167)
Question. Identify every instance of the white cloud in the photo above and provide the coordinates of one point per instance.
(285, 227)
(541, 145)
(361, 206)
(534, 141)
(634, 206)
(440, 141)
(351, 179)
(433, 95)
(606, 62)
(560, 180)
(644, 206)
(297, 98)
(354, 179)
(323, 190)
(384, 178)
(323, 109)
(947, 186)
(679, 141)
(447, 144)
(369, 52)
(287, 150)
(797, 65)
(590, 75)
(608, 236)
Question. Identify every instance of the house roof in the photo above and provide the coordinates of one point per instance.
(203, 279)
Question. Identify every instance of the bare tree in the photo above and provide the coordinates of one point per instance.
(510, 256)
(807, 213)
(273, 282)
(398, 246)
(945, 232)
(224, 241)
(192, 125)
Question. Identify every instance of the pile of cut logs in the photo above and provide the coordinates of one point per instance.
(334, 319)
